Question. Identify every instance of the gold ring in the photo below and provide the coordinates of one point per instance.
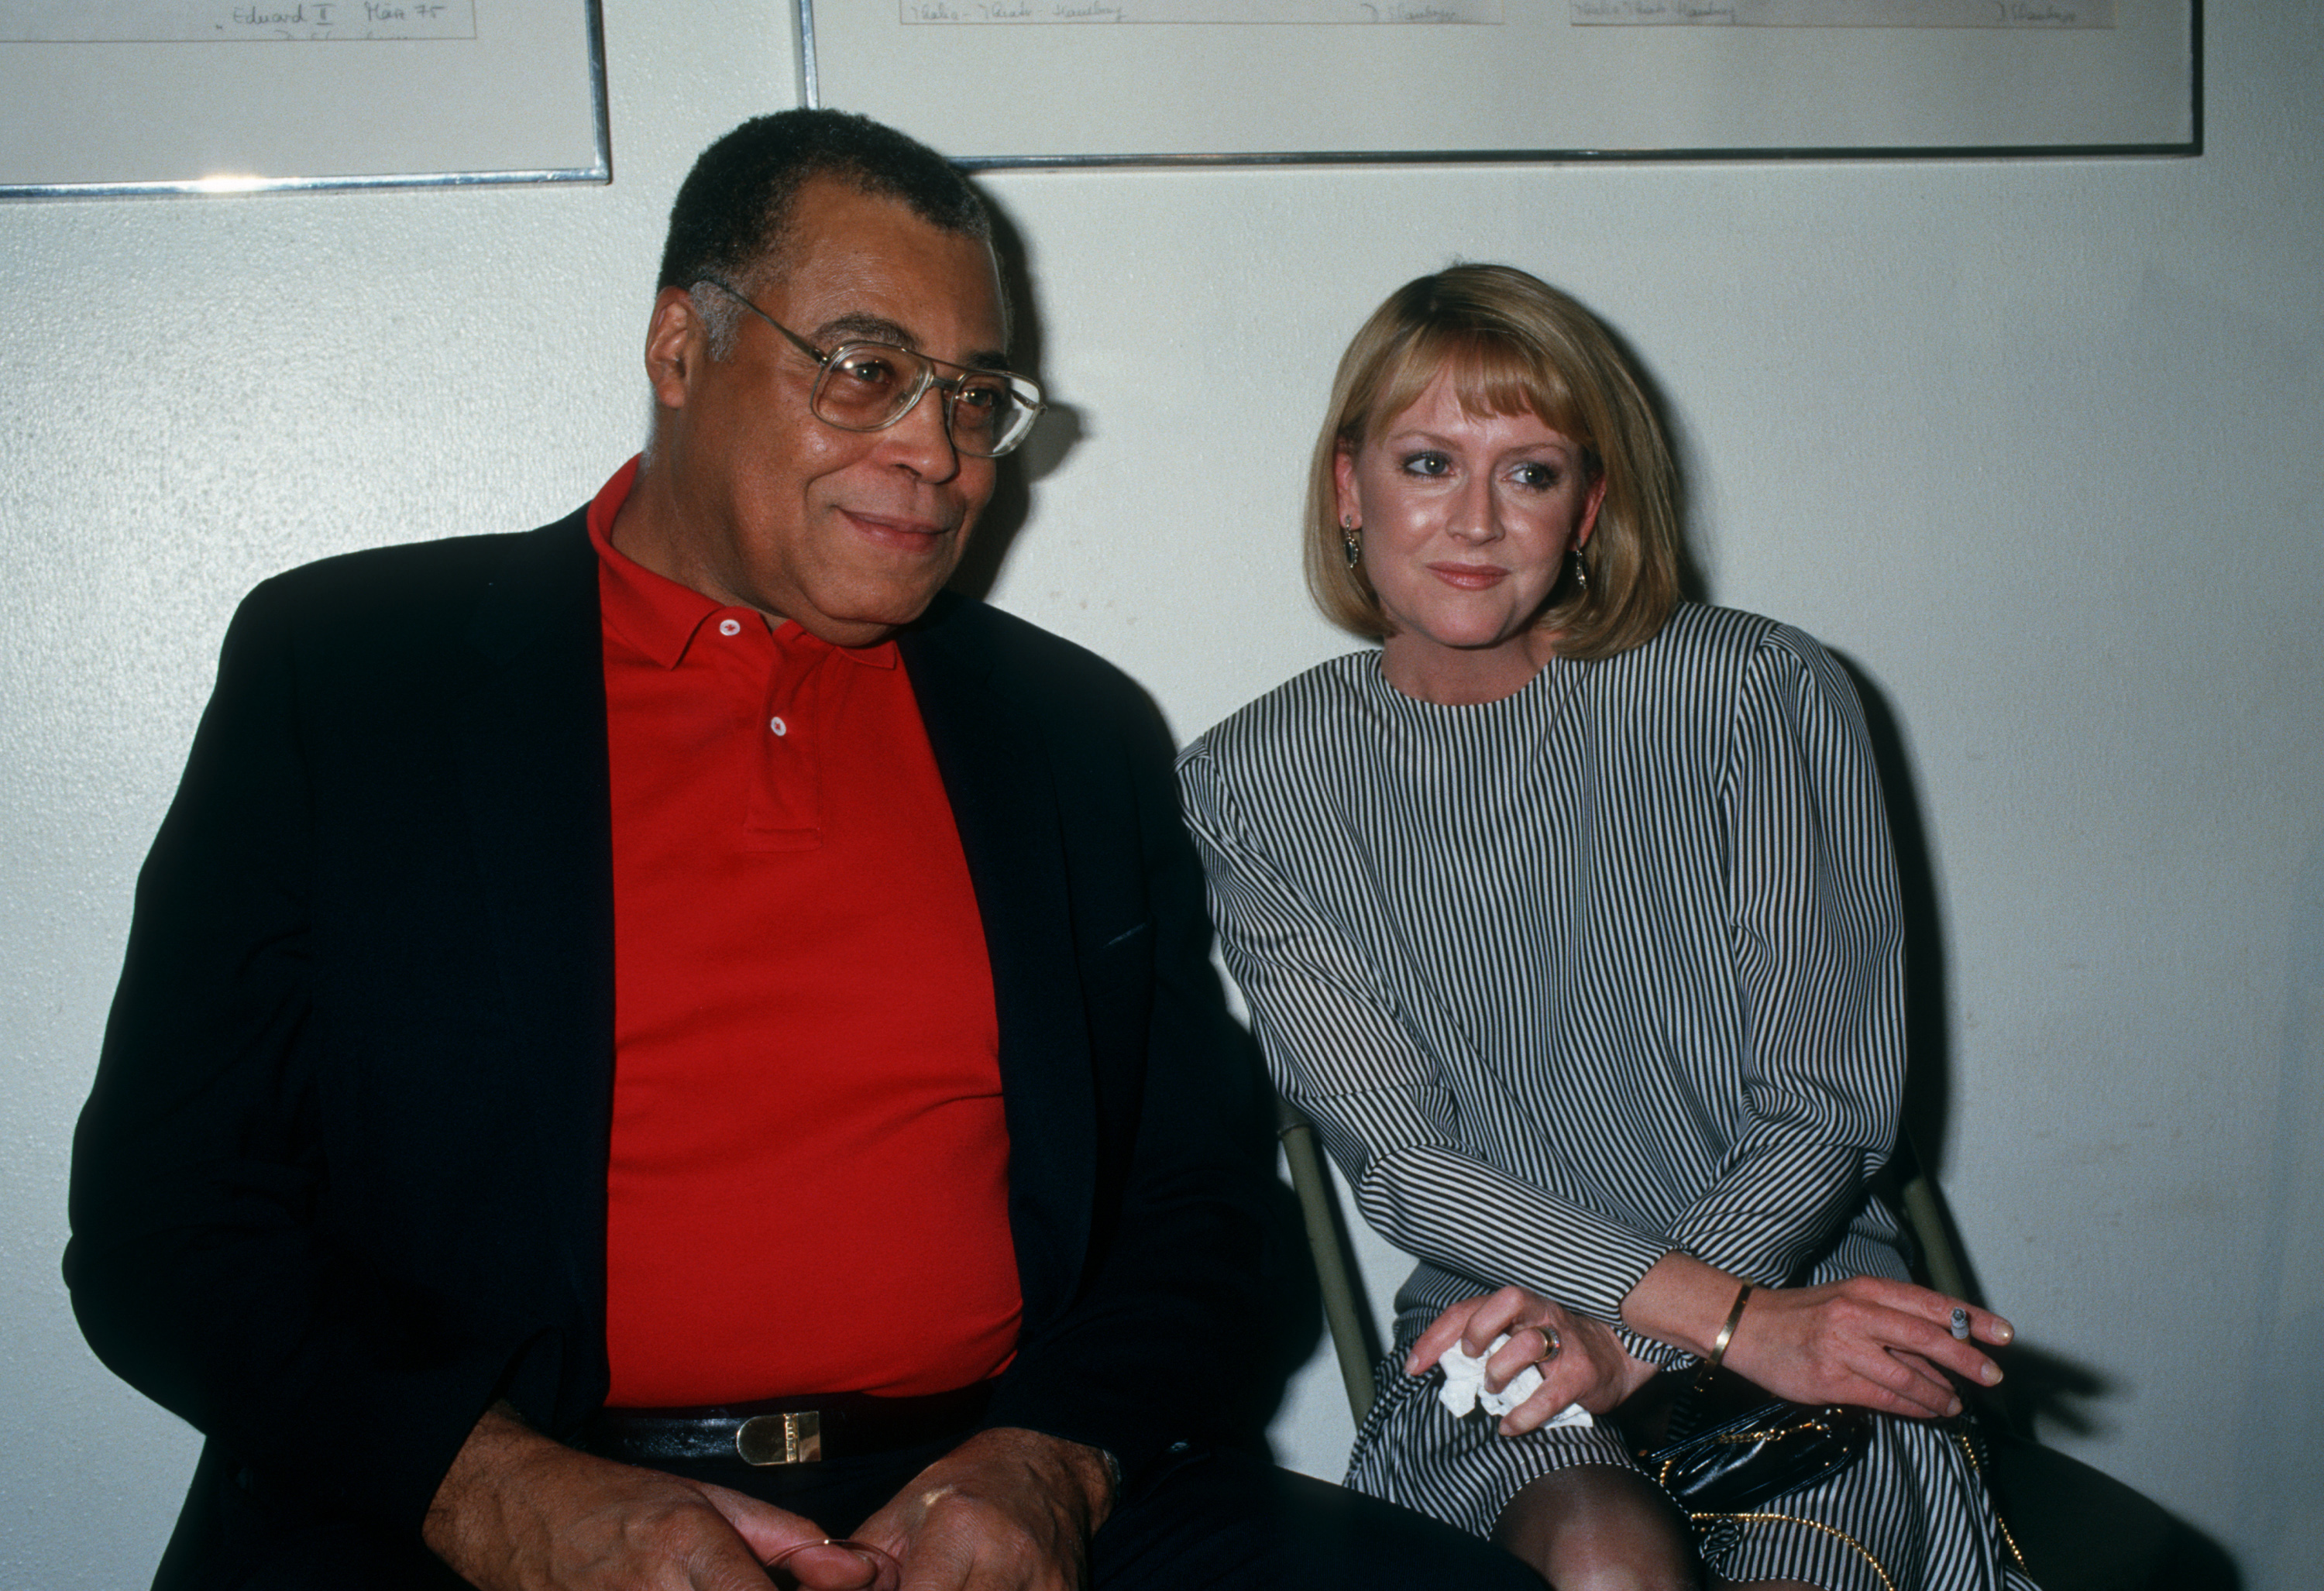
(1551, 1345)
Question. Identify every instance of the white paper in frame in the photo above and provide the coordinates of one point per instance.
(186, 97)
(998, 83)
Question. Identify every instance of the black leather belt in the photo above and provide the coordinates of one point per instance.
(784, 1431)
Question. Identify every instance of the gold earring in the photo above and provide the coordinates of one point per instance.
(1350, 534)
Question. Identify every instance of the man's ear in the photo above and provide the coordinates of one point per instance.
(677, 346)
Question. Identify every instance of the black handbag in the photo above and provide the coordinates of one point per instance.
(1760, 1453)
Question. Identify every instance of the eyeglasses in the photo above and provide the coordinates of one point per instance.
(871, 386)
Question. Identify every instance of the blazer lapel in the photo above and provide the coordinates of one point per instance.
(996, 774)
(533, 756)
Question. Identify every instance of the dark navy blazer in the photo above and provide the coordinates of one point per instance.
(341, 1180)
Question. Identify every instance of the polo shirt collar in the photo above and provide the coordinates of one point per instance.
(660, 617)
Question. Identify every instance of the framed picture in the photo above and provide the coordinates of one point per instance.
(1156, 82)
(134, 97)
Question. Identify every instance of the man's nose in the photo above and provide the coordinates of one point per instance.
(922, 440)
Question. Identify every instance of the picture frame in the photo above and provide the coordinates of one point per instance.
(122, 97)
(1045, 83)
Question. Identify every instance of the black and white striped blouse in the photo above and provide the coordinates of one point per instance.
(1567, 980)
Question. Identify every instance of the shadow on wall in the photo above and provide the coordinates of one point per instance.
(1283, 1342)
(1057, 435)
(2275, 1430)
(1928, 1045)
(2077, 1526)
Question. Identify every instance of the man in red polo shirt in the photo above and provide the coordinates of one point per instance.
(652, 1044)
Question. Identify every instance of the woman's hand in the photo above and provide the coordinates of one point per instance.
(1867, 1340)
(1589, 1365)
(1870, 1341)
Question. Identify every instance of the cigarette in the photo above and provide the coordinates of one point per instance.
(1961, 1324)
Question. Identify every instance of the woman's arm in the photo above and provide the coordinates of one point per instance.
(1378, 1100)
(1867, 1340)
(1816, 937)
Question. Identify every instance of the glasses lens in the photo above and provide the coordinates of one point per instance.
(989, 414)
(869, 385)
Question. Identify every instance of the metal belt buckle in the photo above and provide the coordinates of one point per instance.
(796, 1437)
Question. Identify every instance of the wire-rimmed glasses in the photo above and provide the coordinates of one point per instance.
(866, 386)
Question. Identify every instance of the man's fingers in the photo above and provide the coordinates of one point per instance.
(971, 1554)
(937, 1562)
(765, 1528)
(1007, 1511)
(834, 1566)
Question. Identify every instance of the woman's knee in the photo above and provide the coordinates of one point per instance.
(1597, 1528)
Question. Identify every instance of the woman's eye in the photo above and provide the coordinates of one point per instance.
(1426, 463)
(1541, 477)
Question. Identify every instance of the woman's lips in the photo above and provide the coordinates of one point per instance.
(1470, 576)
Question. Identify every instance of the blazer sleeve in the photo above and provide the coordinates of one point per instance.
(199, 1267)
(1158, 1346)
(1378, 1099)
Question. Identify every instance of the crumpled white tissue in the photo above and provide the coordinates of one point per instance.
(1464, 1387)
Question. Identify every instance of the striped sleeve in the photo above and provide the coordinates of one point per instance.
(1816, 938)
(1383, 1107)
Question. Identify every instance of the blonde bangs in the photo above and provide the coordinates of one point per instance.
(1492, 374)
(1511, 344)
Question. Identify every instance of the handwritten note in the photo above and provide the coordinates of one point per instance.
(1406, 12)
(187, 22)
(1845, 14)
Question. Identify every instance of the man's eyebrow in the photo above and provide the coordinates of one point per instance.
(878, 329)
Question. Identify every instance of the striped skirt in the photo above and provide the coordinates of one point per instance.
(1911, 1514)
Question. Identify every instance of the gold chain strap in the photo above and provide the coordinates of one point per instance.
(1811, 1524)
(1969, 1451)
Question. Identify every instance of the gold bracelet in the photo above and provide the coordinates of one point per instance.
(1727, 1332)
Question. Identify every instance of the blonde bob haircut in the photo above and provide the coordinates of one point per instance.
(1511, 343)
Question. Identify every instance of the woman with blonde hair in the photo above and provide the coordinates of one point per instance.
(1569, 914)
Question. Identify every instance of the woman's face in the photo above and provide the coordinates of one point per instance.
(1467, 520)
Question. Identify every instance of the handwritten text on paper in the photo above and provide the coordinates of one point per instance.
(1845, 14)
(1354, 12)
(190, 21)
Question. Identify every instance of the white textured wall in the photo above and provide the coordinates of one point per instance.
(2031, 443)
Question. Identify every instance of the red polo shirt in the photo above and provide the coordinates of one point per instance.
(809, 1184)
